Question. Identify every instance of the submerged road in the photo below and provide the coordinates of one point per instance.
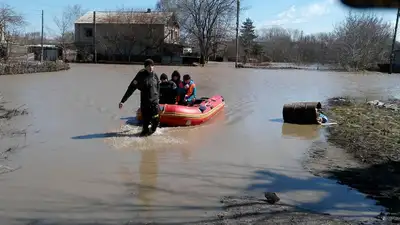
(77, 168)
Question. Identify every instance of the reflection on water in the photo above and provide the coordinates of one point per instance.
(307, 132)
(315, 193)
(144, 186)
(148, 170)
(85, 137)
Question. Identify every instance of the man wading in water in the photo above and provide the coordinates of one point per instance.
(149, 86)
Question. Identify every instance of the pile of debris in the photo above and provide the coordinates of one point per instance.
(340, 101)
(393, 104)
(6, 115)
(10, 113)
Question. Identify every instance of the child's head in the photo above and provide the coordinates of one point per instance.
(163, 77)
(186, 78)
(175, 75)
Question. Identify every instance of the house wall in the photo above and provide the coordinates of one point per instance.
(396, 57)
(130, 39)
(172, 34)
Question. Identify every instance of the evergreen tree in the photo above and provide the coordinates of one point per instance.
(247, 37)
(256, 49)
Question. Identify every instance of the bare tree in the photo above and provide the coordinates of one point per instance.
(155, 38)
(11, 36)
(10, 24)
(167, 6)
(199, 20)
(202, 19)
(173, 6)
(324, 44)
(362, 41)
(65, 24)
(278, 44)
(359, 42)
(30, 38)
(9, 18)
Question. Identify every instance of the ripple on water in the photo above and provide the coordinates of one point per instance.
(130, 138)
(240, 109)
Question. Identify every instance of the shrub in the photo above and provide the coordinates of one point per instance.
(32, 67)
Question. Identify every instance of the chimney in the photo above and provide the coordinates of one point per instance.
(148, 10)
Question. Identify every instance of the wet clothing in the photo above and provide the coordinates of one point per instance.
(190, 95)
(168, 92)
(180, 91)
(150, 116)
(149, 87)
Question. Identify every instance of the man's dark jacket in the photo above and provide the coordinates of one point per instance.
(148, 85)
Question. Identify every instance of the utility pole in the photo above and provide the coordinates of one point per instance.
(237, 32)
(41, 39)
(94, 38)
(5, 37)
(394, 42)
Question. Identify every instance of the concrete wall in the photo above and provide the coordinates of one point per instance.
(125, 38)
(171, 60)
(396, 57)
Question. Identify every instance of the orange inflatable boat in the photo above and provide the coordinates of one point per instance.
(178, 115)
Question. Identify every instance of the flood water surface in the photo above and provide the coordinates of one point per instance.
(84, 163)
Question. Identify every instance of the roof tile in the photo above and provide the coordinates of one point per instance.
(126, 17)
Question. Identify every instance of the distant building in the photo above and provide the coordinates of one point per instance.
(125, 34)
(396, 57)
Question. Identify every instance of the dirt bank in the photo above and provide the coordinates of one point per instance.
(8, 130)
(289, 66)
(251, 210)
(362, 151)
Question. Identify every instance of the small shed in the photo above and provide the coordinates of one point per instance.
(50, 52)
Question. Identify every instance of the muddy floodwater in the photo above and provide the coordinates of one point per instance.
(76, 168)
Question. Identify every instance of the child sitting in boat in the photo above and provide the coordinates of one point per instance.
(190, 87)
(176, 78)
(167, 90)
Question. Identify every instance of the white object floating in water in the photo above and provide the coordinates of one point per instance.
(328, 124)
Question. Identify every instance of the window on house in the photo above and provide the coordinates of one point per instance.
(176, 35)
(88, 32)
